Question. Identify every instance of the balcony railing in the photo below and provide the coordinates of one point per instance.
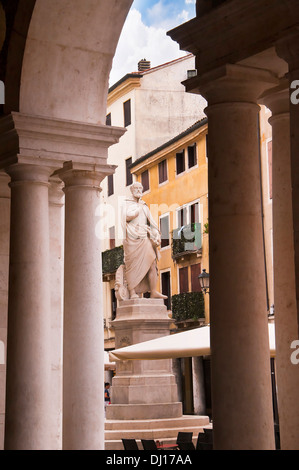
(186, 240)
(188, 306)
(112, 259)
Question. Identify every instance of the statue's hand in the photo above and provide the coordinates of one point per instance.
(132, 214)
(156, 239)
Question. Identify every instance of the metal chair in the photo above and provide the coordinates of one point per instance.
(209, 433)
(184, 437)
(204, 446)
(186, 445)
(130, 444)
(205, 440)
(149, 444)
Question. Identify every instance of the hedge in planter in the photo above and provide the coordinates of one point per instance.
(188, 306)
(112, 259)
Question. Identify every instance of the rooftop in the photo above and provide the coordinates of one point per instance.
(139, 74)
(195, 126)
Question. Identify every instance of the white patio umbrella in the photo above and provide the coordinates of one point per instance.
(109, 365)
(189, 343)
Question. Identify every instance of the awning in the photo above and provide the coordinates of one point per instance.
(189, 343)
(108, 364)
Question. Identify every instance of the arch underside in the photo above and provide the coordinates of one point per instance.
(58, 54)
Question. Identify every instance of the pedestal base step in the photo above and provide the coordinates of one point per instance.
(144, 411)
(165, 430)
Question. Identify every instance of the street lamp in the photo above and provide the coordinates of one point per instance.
(204, 280)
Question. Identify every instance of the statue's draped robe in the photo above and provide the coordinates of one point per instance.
(139, 250)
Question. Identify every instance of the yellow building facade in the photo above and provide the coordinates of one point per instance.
(175, 180)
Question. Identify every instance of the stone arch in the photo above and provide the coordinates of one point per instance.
(17, 17)
(62, 67)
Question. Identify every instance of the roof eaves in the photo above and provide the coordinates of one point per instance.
(190, 129)
(124, 78)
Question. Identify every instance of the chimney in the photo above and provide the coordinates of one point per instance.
(143, 65)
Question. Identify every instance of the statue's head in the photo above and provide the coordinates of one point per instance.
(136, 190)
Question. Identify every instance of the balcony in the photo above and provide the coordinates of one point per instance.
(111, 261)
(186, 240)
(189, 306)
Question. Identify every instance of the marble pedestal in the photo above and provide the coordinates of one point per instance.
(142, 389)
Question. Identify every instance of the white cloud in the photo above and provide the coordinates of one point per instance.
(139, 41)
(184, 16)
(190, 2)
(166, 15)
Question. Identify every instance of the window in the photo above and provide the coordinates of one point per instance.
(163, 171)
(192, 157)
(127, 113)
(166, 289)
(195, 272)
(188, 214)
(180, 162)
(108, 119)
(145, 180)
(184, 281)
(110, 185)
(112, 237)
(129, 176)
(191, 73)
(113, 304)
(194, 213)
(182, 217)
(164, 229)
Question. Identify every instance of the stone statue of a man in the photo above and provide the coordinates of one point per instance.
(142, 239)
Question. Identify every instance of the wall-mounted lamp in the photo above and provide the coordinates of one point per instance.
(204, 280)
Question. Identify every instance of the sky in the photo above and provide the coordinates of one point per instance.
(144, 34)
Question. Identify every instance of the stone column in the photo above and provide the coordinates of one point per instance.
(39, 141)
(199, 398)
(83, 339)
(241, 391)
(4, 272)
(288, 49)
(28, 402)
(56, 217)
(286, 320)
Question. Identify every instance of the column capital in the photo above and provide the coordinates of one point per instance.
(277, 99)
(4, 185)
(27, 173)
(56, 194)
(235, 83)
(288, 49)
(74, 176)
